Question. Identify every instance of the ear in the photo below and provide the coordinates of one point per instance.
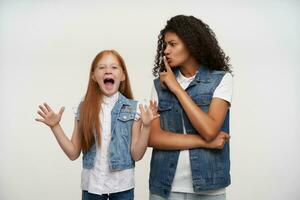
(93, 77)
(123, 78)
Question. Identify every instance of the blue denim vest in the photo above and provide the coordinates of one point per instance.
(119, 155)
(210, 167)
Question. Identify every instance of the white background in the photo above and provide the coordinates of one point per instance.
(46, 48)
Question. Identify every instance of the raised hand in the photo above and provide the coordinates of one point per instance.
(148, 113)
(168, 78)
(49, 117)
(219, 141)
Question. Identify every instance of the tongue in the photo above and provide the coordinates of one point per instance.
(109, 85)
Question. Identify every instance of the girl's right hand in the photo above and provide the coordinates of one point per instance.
(49, 117)
(219, 141)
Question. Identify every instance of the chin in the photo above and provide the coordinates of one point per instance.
(109, 93)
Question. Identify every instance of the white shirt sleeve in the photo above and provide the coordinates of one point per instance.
(76, 111)
(154, 96)
(138, 112)
(224, 89)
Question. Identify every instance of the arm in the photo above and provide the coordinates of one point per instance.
(165, 140)
(206, 124)
(141, 131)
(71, 147)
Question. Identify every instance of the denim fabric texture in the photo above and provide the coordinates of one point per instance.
(210, 167)
(119, 153)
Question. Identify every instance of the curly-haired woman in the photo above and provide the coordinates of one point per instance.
(190, 157)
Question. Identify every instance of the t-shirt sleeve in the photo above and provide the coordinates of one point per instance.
(76, 110)
(154, 96)
(138, 112)
(224, 89)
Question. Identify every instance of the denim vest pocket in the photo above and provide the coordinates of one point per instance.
(203, 101)
(119, 149)
(126, 116)
(165, 109)
(124, 124)
(164, 106)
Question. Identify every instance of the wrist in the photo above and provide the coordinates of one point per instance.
(205, 144)
(55, 126)
(146, 127)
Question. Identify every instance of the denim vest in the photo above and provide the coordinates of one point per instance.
(210, 167)
(122, 117)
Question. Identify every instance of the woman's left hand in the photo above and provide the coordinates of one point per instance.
(148, 113)
(167, 78)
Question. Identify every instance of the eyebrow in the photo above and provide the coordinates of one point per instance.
(170, 41)
(110, 64)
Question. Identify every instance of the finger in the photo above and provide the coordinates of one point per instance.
(47, 107)
(155, 105)
(155, 116)
(141, 107)
(152, 105)
(155, 109)
(226, 136)
(39, 120)
(61, 111)
(162, 74)
(41, 114)
(162, 77)
(43, 109)
(167, 66)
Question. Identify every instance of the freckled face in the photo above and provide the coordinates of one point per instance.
(108, 74)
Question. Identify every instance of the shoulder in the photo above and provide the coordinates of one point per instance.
(227, 78)
(156, 81)
(218, 72)
(225, 89)
(127, 103)
(76, 110)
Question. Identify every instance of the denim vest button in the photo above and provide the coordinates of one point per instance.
(124, 117)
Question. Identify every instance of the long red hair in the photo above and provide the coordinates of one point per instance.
(90, 107)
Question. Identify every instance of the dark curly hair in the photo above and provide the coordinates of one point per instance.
(199, 39)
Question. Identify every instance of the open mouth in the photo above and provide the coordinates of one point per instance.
(109, 81)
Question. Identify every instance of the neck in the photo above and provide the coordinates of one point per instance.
(190, 67)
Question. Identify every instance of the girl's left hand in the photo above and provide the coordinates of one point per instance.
(148, 113)
(167, 78)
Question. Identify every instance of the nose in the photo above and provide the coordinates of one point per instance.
(167, 50)
(108, 70)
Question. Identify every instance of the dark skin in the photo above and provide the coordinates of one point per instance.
(207, 124)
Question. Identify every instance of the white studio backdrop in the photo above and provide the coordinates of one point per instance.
(46, 48)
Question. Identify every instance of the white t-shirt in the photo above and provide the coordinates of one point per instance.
(183, 176)
(100, 179)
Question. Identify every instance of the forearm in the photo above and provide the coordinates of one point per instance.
(205, 125)
(65, 143)
(173, 141)
(140, 146)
